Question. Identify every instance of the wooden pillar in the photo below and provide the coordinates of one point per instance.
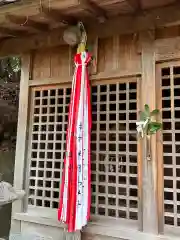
(21, 138)
(149, 169)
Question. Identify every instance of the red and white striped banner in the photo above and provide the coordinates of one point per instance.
(75, 194)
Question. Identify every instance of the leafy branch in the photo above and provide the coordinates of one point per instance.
(147, 124)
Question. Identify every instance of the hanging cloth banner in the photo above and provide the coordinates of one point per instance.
(75, 193)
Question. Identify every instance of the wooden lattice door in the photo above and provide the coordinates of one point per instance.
(49, 115)
(114, 148)
(168, 98)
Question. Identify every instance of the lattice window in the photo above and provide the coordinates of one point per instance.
(114, 151)
(114, 148)
(170, 88)
(48, 127)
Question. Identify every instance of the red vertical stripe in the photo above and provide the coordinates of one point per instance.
(71, 143)
(74, 159)
(71, 135)
(68, 158)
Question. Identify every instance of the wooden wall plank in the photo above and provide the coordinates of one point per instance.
(93, 49)
(113, 57)
(41, 64)
(129, 56)
(105, 54)
(167, 49)
(60, 60)
(118, 54)
(148, 96)
(51, 63)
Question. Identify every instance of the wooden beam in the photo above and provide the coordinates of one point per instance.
(24, 44)
(118, 25)
(31, 6)
(57, 16)
(94, 9)
(147, 20)
(5, 2)
(135, 4)
(26, 22)
(12, 33)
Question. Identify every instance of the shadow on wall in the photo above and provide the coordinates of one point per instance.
(7, 168)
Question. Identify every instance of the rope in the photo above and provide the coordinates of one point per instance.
(82, 45)
(25, 22)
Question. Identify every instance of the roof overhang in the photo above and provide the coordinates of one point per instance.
(46, 20)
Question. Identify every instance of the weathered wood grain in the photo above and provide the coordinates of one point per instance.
(21, 133)
(149, 168)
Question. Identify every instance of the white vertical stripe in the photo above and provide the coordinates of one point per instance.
(65, 193)
(80, 147)
(86, 148)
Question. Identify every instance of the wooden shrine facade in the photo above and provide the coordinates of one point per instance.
(136, 46)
